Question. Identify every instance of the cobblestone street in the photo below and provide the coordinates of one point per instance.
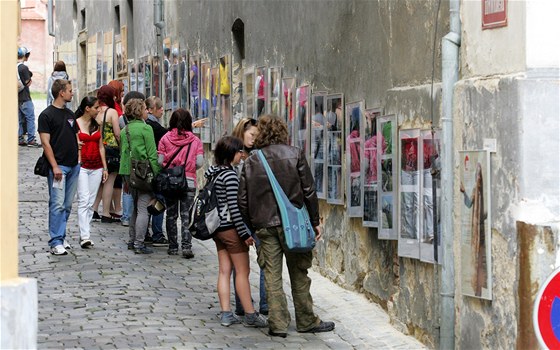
(108, 297)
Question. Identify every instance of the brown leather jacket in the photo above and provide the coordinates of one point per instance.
(256, 199)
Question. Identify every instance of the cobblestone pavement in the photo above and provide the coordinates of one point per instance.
(109, 298)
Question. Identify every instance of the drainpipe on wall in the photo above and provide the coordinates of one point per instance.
(50, 18)
(450, 75)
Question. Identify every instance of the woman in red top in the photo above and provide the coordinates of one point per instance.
(93, 165)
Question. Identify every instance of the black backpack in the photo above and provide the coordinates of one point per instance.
(172, 182)
(204, 216)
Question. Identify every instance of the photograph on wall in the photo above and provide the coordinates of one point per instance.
(132, 70)
(125, 82)
(156, 79)
(148, 76)
(236, 97)
(249, 91)
(273, 98)
(301, 123)
(354, 146)
(124, 51)
(410, 154)
(194, 83)
(386, 133)
(184, 80)
(107, 74)
(334, 118)
(225, 95)
(369, 157)
(99, 60)
(140, 76)
(91, 63)
(475, 216)
(204, 121)
(261, 91)
(287, 105)
(166, 74)
(215, 120)
(318, 142)
(175, 77)
(430, 232)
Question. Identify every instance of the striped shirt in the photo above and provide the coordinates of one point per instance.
(226, 187)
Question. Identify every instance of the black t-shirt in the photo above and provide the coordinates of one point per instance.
(24, 75)
(62, 126)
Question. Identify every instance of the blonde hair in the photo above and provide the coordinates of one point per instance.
(242, 126)
(135, 108)
(154, 102)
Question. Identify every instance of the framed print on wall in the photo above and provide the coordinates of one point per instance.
(475, 219)
(287, 105)
(140, 76)
(107, 74)
(410, 154)
(301, 123)
(369, 161)
(354, 146)
(148, 75)
(273, 98)
(335, 144)
(166, 74)
(124, 52)
(194, 84)
(386, 186)
(156, 77)
(205, 77)
(236, 95)
(261, 90)
(215, 120)
(92, 63)
(184, 81)
(175, 78)
(99, 60)
(132, 75)
(249, 92)
(318, 142)
(225, 80)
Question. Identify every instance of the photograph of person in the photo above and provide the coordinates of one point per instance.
(148, 75)
(261, 87)
(370, 218)
(335, 125)
(410, 185)
(288, 86)
(302, 119)
(156, 88)
(249, 92)
(194, 65)
(318, 137)
(354, 144)
(225, 92)
(274, 91)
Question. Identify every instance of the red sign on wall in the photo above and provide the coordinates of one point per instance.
(494, 13)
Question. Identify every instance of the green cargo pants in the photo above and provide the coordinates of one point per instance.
(270, 255)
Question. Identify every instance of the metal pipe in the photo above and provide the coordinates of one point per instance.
(450, 75)
(50, 19)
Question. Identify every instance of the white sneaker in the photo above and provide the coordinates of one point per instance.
(86, 243)
(67, 245)
(58, 250)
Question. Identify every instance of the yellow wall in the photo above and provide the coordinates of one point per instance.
(9, 15)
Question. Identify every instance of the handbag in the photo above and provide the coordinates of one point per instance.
(112, 154)
(298, 230)
(172, 182)
(141, 173)
(42, 166)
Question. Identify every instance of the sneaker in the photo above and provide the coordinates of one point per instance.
(227, 318)
(125, 222)
(66, 245)
(162, 242)
(277, 334)
(58, 250)
(130, 246)
(148, 240)
(322, 327)
(33, 144)
(188, 254)
(96, 216)
(173, 251)
(86, 243)
(143, 250)
(255, 320)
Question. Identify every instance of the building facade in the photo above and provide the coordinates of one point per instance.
(385, 230)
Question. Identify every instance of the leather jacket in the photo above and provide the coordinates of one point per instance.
(256, 198)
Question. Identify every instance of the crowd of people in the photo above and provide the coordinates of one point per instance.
(94, 150)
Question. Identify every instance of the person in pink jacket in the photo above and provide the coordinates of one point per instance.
(191, 157)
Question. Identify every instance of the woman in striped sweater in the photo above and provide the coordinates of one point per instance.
(232, 238)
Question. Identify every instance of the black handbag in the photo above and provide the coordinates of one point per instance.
(42, 166)
(112, 154)
(172, 182)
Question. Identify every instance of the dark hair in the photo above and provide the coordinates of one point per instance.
(59, 66)
(181, 120)
(106, 95)
(87, 101)
(272, 131)
(131, 95)
(226, 149)
(58, 86)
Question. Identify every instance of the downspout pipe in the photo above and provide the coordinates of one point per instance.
(450, 75)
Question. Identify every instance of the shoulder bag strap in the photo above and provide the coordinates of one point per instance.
(173, 156)
(187, 156)
(278, 192)
(103, 125)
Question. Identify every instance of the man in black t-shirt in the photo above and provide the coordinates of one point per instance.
(58, 130)
(26, 110)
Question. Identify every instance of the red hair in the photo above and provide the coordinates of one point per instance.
(119, 89)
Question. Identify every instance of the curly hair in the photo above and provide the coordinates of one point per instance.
(135, 108)
(272, 131)
(181, 119)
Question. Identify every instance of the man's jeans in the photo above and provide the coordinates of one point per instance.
(26, 113)
(128, 206)
(60, 202)
(157, 227)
